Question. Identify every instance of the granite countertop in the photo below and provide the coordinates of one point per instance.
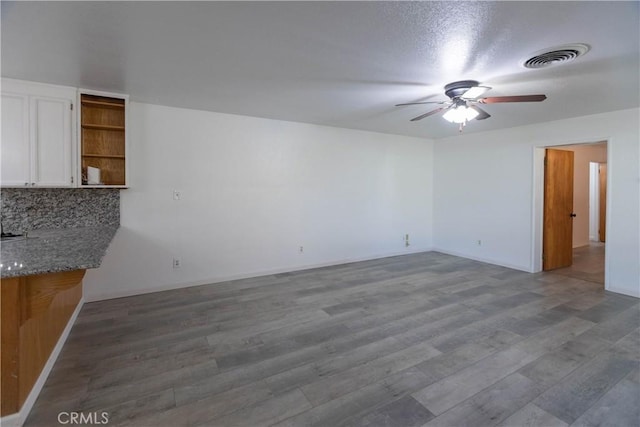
(51, 251)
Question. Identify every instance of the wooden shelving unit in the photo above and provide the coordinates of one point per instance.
(106, 156)
(103, 138)
(103, 127)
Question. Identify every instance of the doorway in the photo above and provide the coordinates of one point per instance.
(567, 243)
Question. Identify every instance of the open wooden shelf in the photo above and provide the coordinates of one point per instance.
(106, 156)
(102, 104)
(102, 125)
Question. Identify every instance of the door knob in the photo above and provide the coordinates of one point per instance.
(572, 215)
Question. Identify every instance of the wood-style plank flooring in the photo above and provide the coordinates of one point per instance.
(588, 263)
(416, 340)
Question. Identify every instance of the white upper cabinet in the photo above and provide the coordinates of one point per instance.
(51, 129)
(15, 150)
(37, 135)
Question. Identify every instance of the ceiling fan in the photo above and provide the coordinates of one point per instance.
(464, 97)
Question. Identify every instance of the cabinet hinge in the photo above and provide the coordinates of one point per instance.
(72, 107)
(72, 180)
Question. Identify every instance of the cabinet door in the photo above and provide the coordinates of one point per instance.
(15, 150)
(51, 142)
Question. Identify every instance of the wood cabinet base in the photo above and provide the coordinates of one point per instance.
(34, 311)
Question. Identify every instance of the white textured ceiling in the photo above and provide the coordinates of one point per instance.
(340, 64)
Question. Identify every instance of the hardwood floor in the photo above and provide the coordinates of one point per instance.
(426, 339)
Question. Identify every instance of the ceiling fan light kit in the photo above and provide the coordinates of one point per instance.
(460, 114)
(464, 96)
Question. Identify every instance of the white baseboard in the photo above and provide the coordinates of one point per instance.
(12, 420)
(624, 291)
(213, 280)
(17, 419)
(526, 268)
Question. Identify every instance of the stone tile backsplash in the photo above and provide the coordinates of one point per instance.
(45, 208)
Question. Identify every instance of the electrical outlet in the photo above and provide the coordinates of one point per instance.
(406, 240)
(479, 242)
(177, 195)
(177, 263)
(301, 249)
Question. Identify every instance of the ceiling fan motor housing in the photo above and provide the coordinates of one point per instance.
(456, 89)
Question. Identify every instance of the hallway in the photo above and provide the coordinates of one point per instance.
(588, 264)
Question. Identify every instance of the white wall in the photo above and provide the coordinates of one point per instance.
(254, 191)
(484, 190)
(582, 156)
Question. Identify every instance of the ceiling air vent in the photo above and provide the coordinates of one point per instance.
(557, 55)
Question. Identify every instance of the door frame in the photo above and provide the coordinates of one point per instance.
(594, 199)
(537, 214)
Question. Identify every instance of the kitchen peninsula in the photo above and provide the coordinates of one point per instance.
(62, 233)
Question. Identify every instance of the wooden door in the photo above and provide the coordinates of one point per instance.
(602, 185)
(557, 247)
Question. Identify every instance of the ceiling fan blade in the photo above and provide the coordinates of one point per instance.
(475, 92)
(519, 98)
(427, 102)
(430, 113)
(481, 113)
